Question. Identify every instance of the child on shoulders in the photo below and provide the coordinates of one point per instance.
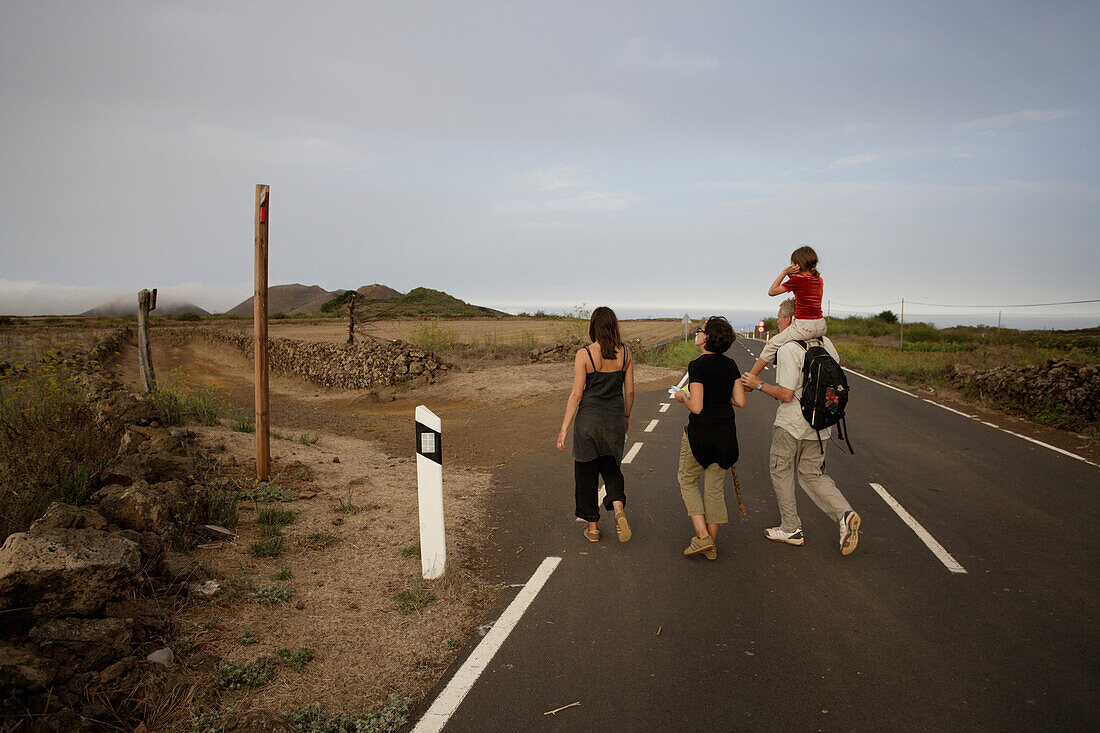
(804, 281)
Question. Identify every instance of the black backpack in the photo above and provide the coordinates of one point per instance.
(824, 391)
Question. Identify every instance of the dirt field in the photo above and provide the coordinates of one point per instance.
(344, 603)
(530, 332)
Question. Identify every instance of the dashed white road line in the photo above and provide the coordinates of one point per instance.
(937, 549)
(455, 691)
(664, 407)
(652, 424)
(632, 452)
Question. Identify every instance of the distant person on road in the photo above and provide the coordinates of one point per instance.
(708, 447)
(802, 279)
(601, 400)
(797, 449)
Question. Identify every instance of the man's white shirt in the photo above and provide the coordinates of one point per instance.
(788, 373)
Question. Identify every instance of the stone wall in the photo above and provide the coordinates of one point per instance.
(1066, 386)
(345, 366)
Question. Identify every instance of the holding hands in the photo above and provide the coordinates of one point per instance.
(750, 381)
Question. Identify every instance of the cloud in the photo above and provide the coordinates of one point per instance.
(853, 160)
(653, 55)
(560, 190)
(1023, 118)
(34, 298)
(965, 156)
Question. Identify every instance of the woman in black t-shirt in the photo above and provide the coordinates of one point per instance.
(709, 445)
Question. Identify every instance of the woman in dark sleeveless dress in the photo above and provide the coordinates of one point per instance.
(601, 400)
(709, 445)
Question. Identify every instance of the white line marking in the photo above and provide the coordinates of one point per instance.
(652, 424)
(937, 549)
(682, 382)
(664, 407)
(632, 452)
(977, 419)
(455, 691)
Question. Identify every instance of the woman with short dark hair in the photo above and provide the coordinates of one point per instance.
(601, 400)
(709, 446)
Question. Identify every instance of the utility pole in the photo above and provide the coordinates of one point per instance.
(902, 341)
(263, 439)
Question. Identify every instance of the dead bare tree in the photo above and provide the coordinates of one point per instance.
(362, 312)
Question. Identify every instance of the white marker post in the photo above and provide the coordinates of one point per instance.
(429, 480)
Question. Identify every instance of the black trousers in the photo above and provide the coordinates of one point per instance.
(587, 475)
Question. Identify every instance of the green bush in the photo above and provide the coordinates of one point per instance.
(274, 515)
(267, 547)
(52, 445)
(234, 676)
(244, 424)
(269, 595)
(413, 599)
(676, 354)
(297, 658)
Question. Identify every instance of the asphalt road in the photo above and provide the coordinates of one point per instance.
(801, 638)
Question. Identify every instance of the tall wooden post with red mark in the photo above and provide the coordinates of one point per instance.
(263, 439)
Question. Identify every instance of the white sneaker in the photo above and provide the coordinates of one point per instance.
(849, 532)
(791, 538)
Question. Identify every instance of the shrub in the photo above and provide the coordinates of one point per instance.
(386, 719)
(283, 574)
(274, 516)
(257, 673)
(267, 491)
(269, 595)
(297, 658)
(52, 445)
(308, 438)
(887, 316)
(318, 540)
(244, 424)
(433, 337)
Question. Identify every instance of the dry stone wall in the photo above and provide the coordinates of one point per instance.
(345, 366)
(1070, 387)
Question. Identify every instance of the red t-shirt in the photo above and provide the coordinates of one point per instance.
(807, 295)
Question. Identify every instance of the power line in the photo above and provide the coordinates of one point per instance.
(1015, 305)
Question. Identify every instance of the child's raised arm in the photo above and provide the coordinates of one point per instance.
(777, 286)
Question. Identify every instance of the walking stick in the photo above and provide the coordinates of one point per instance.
(737, 488)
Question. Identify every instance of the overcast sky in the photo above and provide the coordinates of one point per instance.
(547, 154)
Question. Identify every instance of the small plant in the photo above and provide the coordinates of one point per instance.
(345, 506)
(205, 403)
(212, 622)
(308, 438)
(220, 446)
(244, 424)
(297, 658)
(450, 644)
(183, 645)
(257, 673)
(267, 492)
(318, 540)
(269, 595)
(413, 599)
(279, 435)
(268, 546)
(248, 637)
(386, 719)
(221, 504)
(433, 337)
(413, 551)
(271, 530)
(274, 515)
(210, 722)
(283, 574)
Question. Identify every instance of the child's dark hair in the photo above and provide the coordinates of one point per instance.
(806, 259)
(720, 335)
(603, 328)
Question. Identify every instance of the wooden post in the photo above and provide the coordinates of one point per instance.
(147, 301)
(263, 439)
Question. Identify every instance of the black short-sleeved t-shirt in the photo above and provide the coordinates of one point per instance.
(712, 433)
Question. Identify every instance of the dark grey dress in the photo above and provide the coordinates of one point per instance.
(600, 425)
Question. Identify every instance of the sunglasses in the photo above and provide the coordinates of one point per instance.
(699, 330)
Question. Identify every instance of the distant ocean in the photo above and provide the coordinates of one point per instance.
(746, 319)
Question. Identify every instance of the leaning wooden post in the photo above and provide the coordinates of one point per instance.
(429, 480)
(263, 440)
(147, 301)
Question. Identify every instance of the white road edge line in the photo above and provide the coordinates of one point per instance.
(632, 452)
(652, 424)
(682, 382)
(1054, 448)
(664, 407)
(455, 692)
(937, 549)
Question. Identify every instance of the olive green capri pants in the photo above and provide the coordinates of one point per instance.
(711, 503)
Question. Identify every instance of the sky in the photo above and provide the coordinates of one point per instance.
(654, 157)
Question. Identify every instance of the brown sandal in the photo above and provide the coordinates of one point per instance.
(622, 526)
(592, 535)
